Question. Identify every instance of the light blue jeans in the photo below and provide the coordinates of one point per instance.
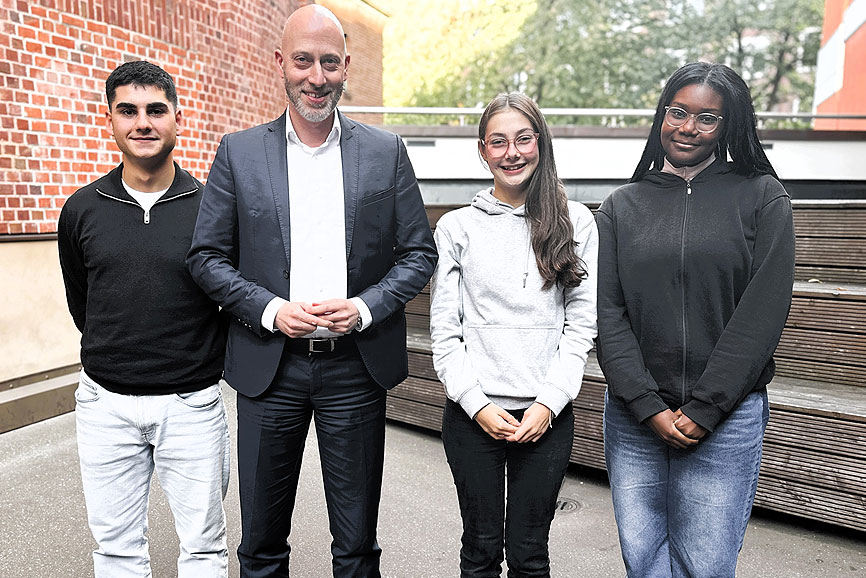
(683, 513)
(121, 438)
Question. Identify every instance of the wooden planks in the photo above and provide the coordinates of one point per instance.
(831, 274)
(826, 315)
(831, 241)
(834, 250)
(815, 503)
(825, 336)
(838, 220)
(821, 371)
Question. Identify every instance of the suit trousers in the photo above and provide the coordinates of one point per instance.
(348, 407)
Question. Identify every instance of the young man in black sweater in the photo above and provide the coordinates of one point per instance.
(152, 342)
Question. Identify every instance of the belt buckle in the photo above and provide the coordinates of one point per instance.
(331, 345)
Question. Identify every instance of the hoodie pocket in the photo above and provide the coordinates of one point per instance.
(511, 361)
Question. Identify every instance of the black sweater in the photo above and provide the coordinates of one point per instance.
(694, 288)
(146, 326)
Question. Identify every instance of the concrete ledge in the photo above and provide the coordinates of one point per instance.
(33, 402)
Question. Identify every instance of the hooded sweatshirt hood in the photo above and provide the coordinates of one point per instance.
(485, 201)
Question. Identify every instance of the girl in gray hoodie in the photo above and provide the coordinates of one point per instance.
(512, 319)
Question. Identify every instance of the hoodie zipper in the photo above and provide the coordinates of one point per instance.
(683, 287)
(147, 212)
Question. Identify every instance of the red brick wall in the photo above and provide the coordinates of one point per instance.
(56, 54)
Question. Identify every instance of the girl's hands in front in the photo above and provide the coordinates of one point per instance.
(664, 426)
(498, 423)
(688, 427)
(536, 421)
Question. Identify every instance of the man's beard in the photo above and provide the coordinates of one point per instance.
(309, 113)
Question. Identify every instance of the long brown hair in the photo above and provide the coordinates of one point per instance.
(550, 228)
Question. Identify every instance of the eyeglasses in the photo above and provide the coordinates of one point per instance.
(498, 145)
(704, 122)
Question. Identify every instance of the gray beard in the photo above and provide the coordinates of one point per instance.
(314, 114)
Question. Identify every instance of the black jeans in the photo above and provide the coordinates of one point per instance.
(521, 524)
(349, 411)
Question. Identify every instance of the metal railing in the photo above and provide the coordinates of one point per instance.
(589, 112)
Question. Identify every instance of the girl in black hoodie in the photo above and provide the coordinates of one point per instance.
(696, 268)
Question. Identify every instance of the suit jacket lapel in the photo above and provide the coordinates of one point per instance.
(351, 157)
(275, 154)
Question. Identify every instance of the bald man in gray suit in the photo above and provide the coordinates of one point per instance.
(312, 234)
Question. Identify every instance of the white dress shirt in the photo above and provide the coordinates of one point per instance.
(317, 222)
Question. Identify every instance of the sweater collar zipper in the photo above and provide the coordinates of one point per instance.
(147, 213)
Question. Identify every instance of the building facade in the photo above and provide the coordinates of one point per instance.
(840, 80)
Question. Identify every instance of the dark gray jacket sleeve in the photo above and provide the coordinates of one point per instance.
(619, 353)
(213, 257)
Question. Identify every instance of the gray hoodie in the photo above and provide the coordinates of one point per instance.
(497, 335)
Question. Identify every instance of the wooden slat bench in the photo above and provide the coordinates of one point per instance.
(831, 241)
(815, 448)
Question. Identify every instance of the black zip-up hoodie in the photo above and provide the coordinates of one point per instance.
(694, 286)
(147, 328)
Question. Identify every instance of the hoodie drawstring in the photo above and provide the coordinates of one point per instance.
(528, 251)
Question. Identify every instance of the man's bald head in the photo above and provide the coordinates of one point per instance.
(313, 18)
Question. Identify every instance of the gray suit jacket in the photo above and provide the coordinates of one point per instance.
(240, 252)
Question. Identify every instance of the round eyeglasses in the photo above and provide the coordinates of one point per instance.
(497, 146)
(704, 122)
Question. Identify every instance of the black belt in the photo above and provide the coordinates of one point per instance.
(323, 346)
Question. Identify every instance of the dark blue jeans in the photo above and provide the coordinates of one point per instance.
(683, 513)
(349, 411)
(521, 524)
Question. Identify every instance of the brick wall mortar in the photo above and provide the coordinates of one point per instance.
(56, 54)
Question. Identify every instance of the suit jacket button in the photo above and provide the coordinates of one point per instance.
(285, 274)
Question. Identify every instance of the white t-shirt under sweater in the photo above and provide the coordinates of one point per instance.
(146, 200)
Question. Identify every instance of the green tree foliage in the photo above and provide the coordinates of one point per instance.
(595, 54)
(433, 48)
(774, 44)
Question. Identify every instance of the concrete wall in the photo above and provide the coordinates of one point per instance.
(36, 331)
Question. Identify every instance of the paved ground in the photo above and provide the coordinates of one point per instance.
(43, 529)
